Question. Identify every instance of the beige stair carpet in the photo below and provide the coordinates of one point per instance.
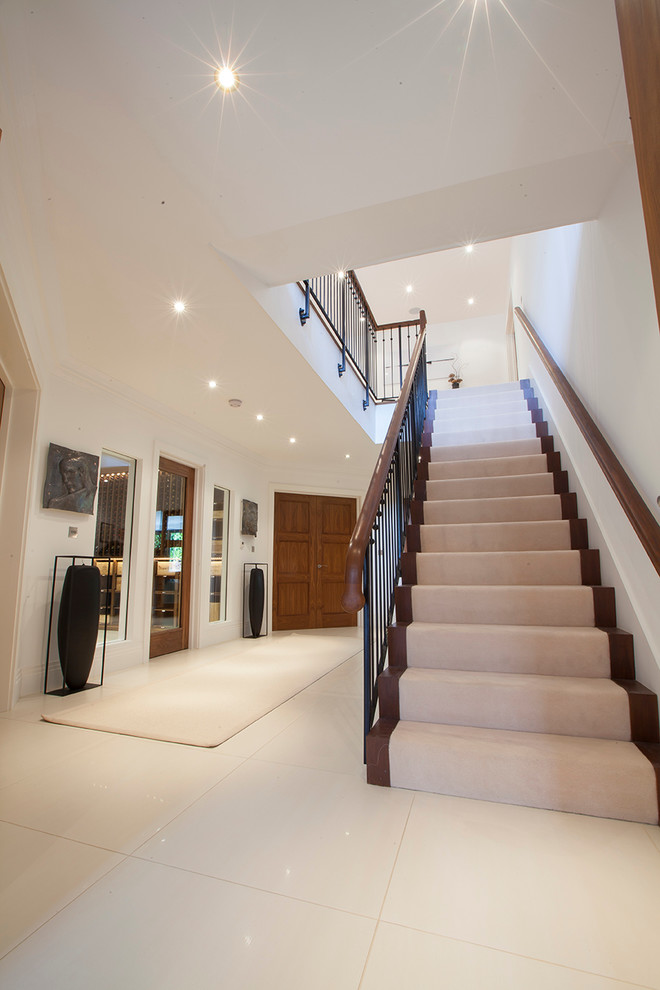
(507, 694)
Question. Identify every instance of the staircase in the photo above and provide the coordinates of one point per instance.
(508, 680)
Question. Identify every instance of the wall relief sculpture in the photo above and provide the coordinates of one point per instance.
(71, 480)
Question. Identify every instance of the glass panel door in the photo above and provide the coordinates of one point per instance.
(170, 604)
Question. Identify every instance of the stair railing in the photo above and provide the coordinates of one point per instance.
(373, 567)
(379, 354)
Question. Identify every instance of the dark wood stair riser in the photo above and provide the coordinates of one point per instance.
(409, 568)
(643, 711)
(652, 753)
(417, 511)
(378, 752)
(622, 654)
(568, 505)
(590, 566)
(388, 692)
(414, 538)
(604, 607)
(403, 604)
(579, 534)
(397, 646)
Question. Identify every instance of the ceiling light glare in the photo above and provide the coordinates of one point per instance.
(471, 301)
(226, 79)
(341, 274)
(409, 288)
(260, 416)
(347, 456)
(469, 248)
(179, 306)
(213, 384)
(292, 439)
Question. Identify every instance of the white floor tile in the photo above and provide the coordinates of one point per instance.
(576, 891)
(401, 957)
(28, 748)
(327, 736)
(115, 794)
(322, 837)
(39, 875)
(147, 926)
(347, 679)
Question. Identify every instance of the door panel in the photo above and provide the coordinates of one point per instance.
(170, 607)
(311, 538)
(335, 522)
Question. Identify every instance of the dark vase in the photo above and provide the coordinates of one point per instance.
(455, 384)
(256, 600)
(78, 623)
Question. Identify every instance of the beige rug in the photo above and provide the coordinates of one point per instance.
(211, 702)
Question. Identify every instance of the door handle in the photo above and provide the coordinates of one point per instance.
(319, 566)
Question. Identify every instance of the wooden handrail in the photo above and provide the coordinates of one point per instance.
(396, 326)
(640, 516)
(353, 598)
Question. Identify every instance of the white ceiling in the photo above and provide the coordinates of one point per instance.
(441, 283)
(360, 133)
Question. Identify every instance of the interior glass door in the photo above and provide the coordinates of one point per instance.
(170, 602)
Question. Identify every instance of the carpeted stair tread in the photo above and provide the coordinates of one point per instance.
(493, 487)
(479, 435)
(517, 567)
(488, 467)
(451, 412)
(485, 449)
(505, 605)
(573, 706)
(480, 421)
(545, 650)
(604, 777)
(544, 534)
(512, 509)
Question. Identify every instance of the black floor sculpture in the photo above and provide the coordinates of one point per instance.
(78, 623)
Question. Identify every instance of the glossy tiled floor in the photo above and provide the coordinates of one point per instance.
(269, 863)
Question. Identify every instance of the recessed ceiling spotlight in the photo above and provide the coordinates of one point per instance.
(347, 456)
(469, 248)
(292, 439)
(341, 274)
(213, 384)
(471, 301)
(225, 78)
(260, 416)
(179, 306)
(235, 403)
(409, 288)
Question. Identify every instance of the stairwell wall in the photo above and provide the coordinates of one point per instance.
(588, 291)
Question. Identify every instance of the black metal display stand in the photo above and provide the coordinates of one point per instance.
(255, 599)
(64, 690)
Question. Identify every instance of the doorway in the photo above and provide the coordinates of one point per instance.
(311, 536)
(170, 597)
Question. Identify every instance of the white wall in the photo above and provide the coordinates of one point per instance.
(587, 289)
(479, 346)
(85, 417)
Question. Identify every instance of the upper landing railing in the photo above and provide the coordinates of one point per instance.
(379, 353)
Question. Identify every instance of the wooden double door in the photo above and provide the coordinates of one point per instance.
(311, 538)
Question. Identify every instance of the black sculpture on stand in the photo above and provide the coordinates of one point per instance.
(77, 623)
(255, 583)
